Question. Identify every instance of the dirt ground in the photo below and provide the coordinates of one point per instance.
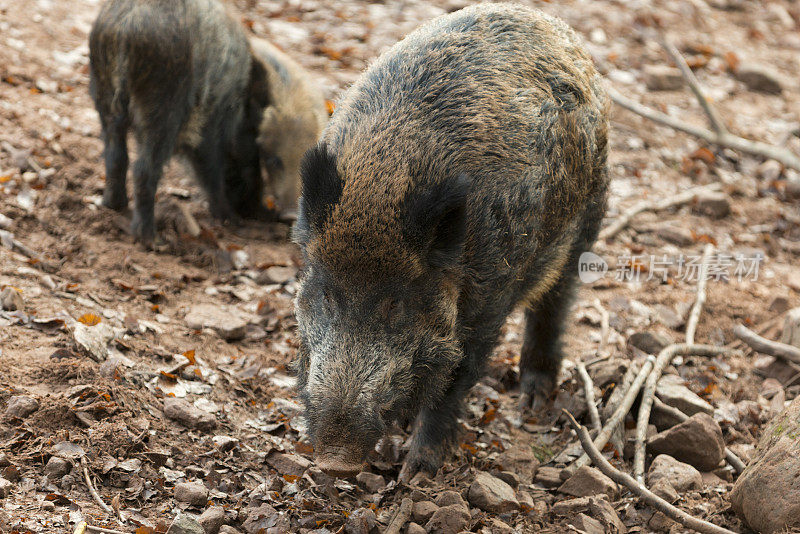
(77, 265)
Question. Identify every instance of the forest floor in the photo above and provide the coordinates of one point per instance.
(239, 432)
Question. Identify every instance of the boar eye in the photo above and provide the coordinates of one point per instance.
(274, 162)
(391, 310)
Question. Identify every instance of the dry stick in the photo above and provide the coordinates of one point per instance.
(765, 346)
(618, 434)
(694, 316)
(716, 123)
(106, 508)
(662, 360)
(643, 493)
(676, 200)
(619, 414)
(734, 461)
(727, 140)
(102, 530)
(400, 519)
(604, 325)
(588, 388)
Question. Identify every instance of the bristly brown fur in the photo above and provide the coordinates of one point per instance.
(464, 173)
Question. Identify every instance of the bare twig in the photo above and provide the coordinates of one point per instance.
(192, 226)
(700, 299)
(102, 530)
(588, 388)
(618, 434)
(643, 493)
(676, 200)
(106, 508)
(716, 123)
(728, 140)
(401, 518)
(765, 346)
(662, 360)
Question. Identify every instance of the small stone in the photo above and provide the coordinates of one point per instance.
(188, 415)
(589, 481)
(224, 443)
(665, 490)
(185, 524)
(449, 498)
(779, 304)
(601, 509)
(49, 506)
(260, 519)
(422, 511)
(697, 441)
(448, 520)
(672, 391)
(745, 451)
(288, 464)
(21, 406)
(668, 317)
(227, 529)
(714, 204)
(192, 493)
(56, 468)
(212, 519)
(68, 450)
(587, 525)
(509, 477)
(371, 482)
(571, 506)
(660, 523)
(759, 78)
(682, 477)
(677, 235)
(649, 342)
(11, 300)
(5, 488)
(224, 321)
(492, 494)
(413, 528)
(498, 527)
(662, 78)
(276, 275)
(361, 521)
(549, 477)
(770, 170)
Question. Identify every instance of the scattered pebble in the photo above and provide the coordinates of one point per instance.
(697, 441)
(492, 494)
(192, 493)
(212, 519)
(185, 524)
(188, 415)
(662, 78)
(714, 204)
(11, 299)
(682, 477)
(448, 520)
(370, 481)
(588, 481)
(760, 78)
(21, 406)
(223, 320)
(672, 391)
(360, 521)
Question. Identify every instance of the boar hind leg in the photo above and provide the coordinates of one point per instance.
(209, 163)
(115, 134)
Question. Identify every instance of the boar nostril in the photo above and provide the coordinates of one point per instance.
(337, 467)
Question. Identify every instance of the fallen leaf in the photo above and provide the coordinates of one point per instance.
(89, 319)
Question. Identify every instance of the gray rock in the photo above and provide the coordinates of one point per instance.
(423, 510)
(697, 441)
(496, 526)
(188, 415)
(371, 482)
(770, 170)
(185, 524)
(760, 78)
(224, 321)
(448, 520)
(192, 493)
(668, 317)
(601, 509)
(492, 494)
(672, 391)
(56, 468)
(212, 519)
(767, 494)
(224, 443)
(791, 328)
(549, 477)
(276, 275)
(665, 490)
(682, 477)
(587, 525)
(570, 507)
(650, 342)
(11, 300)
(5, 487)
(414, 528)
(227, 529)
(509, 477)
(21, 406)
(588, 481)
(288, 464)
(361, 521)
(449, 498)
(260, 519)
(714, 204)
(660, 523)
(662, 78)
(677, 235)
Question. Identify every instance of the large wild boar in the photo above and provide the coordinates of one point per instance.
(461, 176)
(292, 123)
(181, 75)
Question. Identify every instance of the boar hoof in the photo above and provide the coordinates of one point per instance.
(114, 202)
(537, 388)
(414, 465)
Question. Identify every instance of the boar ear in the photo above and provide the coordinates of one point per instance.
(322, 188)
(258, 86)
(437, 221)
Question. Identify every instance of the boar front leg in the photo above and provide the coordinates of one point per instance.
(436, 428)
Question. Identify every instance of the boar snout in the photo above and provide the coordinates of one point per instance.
(339, 462)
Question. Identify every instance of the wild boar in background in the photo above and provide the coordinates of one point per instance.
(462, 175)
(292, 123)
(181, 75)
